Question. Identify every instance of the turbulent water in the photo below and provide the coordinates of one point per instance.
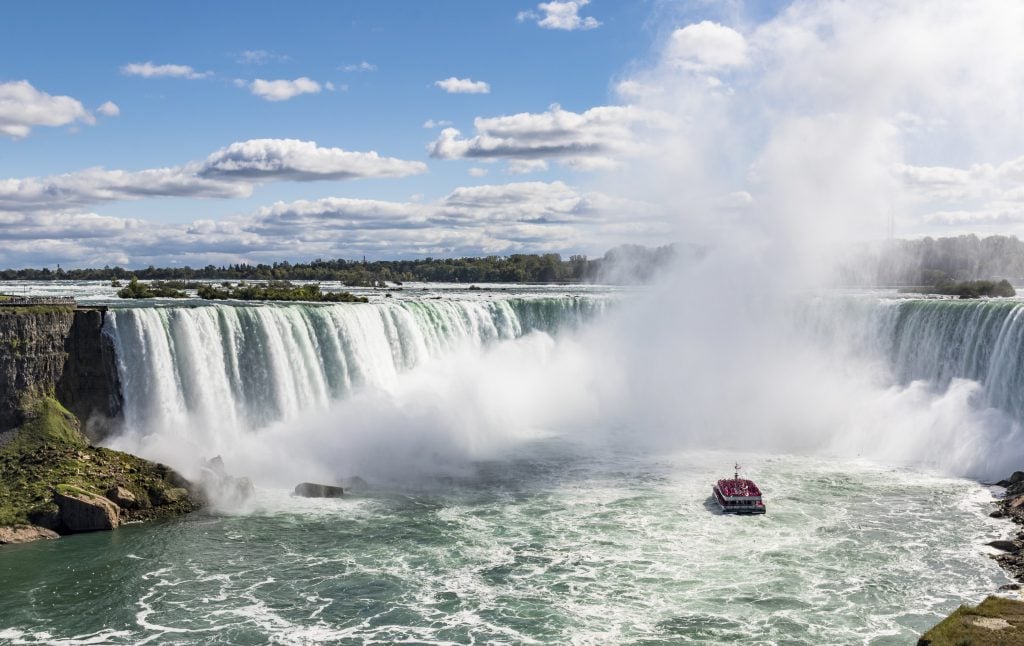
(563, 534)
(548, 546)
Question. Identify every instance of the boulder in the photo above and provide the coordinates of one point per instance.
(81, 511)
(170, 495)
(223, 489)
(997, 514)
(1006, 546)
(25, 534)
(313, 490)
(1016, 502)
(122, 497)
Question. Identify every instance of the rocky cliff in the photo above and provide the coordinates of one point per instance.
(59, 351)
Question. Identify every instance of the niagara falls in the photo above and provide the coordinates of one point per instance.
(514, 322)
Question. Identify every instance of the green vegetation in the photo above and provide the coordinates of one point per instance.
(49, 452)
(155, 289)
(966, 289)
(278, 291)
(994, 622)
(640, 263)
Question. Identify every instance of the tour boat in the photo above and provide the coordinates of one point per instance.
(737, 495)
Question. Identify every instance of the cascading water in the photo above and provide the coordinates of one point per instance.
(236, 368)
(935, 341)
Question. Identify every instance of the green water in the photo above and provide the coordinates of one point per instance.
(546, 547)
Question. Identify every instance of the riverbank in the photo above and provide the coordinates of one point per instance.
(996, 620)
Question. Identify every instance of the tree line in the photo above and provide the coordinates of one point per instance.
(627, 263)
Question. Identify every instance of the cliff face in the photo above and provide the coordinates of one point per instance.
(88, 384)
(60, 351)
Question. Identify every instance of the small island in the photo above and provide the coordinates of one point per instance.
(965, 289)
(272, 291)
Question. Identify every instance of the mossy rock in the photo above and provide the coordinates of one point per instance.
(993, 622)
(49, 454)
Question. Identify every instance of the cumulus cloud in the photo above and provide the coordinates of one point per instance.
(292, 159)
(454, 85)
(430, 123)
(283, 89)
(260, 57)
(560, 15)
(502, 218)
(523, 166)
(109, 109)
(362, 66)
(23, 107)
(150, 70)
(707, 46)
(596, 138)
(229, 172)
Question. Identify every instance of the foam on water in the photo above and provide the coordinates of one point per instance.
(555, 544)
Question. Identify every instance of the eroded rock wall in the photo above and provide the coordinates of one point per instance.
(61, 351)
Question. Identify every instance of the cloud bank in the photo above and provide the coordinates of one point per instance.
(229, 172)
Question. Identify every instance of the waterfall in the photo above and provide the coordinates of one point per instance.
(935, 341)
(237, 368)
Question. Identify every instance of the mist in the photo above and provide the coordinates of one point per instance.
(785, 147)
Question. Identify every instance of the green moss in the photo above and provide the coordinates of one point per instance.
(962, 628)
(49, 454)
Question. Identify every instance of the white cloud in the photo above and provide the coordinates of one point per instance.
(477, 172)
(522, 217)
(260, 57)
(359, 67)
(591, 139)
(454, 85)
(523, 166)
(283, 89)
(109, 109)
(430, 123)
(227, 173)
(149, 70)
(707, 46)
(560, 15)
(23, 107)
(292, 159)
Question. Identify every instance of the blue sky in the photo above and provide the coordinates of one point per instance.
(194, 132)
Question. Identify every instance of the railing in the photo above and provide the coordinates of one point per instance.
(22, 301)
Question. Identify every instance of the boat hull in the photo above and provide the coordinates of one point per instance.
(737, 505)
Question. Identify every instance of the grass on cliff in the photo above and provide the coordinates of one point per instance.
(49, 451)
(967, 625)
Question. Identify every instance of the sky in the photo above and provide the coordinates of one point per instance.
(192, 133)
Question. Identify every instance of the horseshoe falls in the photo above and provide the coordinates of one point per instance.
(230, 370)
(531, 484)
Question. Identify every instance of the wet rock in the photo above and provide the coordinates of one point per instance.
(222, 488)
(313, 490)
(122, 497)
(1015, 489)
(81, 511)
(1006, 546)
(1010, 586)
(25, 534)
(997, 514)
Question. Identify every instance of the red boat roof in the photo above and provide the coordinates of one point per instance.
(738, 487)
